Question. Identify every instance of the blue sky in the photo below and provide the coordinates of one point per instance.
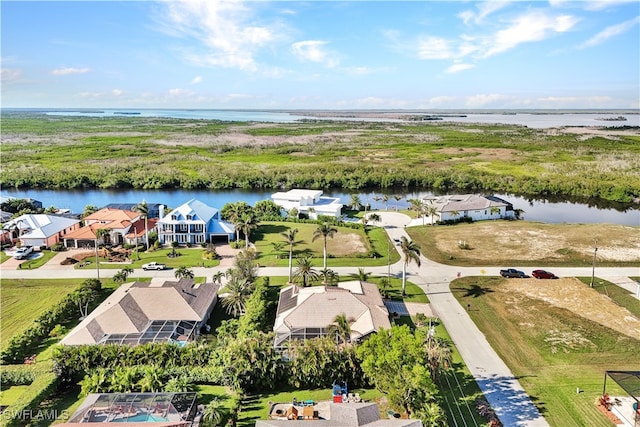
(321, 54)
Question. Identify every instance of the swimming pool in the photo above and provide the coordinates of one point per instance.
(140, 417)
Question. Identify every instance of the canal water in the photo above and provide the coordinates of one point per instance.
(534, 210)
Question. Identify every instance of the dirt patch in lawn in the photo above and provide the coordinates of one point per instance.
(573, 295)
(346, 245)
(494, 242)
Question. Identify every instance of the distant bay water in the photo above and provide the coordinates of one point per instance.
(530, 118)
(534, 209)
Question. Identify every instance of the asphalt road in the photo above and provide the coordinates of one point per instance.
(503, 391)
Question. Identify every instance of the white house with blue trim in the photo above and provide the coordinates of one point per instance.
(193, 223)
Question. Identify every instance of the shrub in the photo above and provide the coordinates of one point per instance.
(58, 247)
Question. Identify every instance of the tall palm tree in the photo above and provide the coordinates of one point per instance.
(374, 217)
(362, 275)
(355, 202)
(431, 210)
(305, 271)
(341, 328)
(143, 209)
(438, 356)
(411, 252)
(277, 247)
(247, 222)
(325, 230)
(183, 272)
(290, 239)
(418, 206)
(494, 210)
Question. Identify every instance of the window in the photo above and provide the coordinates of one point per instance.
(174, 217)
(189, 217)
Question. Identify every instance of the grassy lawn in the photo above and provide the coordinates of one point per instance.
(552, 350)
(24, 300)
(40, 261)
(9, 395)
(505, 243)
(348, 247)
(191, 257)
(3, 257)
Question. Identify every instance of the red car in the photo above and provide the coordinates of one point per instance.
(542, 274)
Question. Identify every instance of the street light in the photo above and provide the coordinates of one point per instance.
(593, 267)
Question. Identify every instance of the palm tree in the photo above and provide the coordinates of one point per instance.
(126, 272)
(143, 209)
(341, 328)
(438, 356)
(418, 206)
(411, 252)
(183, 272)
(119, 278)
(362, 275)
(290, 239)
(355, 202)
(397, 198)
(277, 247)
(103, 235)
(237, 292)
(330, 276)
(431, 210)
(247, 222)
(214, 413)
(217, 277)
(325, 230)
(374, 217)
(305, 271)
(455, 213)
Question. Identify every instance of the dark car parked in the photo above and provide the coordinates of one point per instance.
(542, 274)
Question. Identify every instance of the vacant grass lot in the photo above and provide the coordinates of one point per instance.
(348, 247)
(552, 345)
(137, 152)
(24, 300)
(504, 243)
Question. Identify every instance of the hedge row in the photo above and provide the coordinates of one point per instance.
(26, 407)
(11, 375)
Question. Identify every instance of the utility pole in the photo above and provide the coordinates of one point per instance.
(97, 260)
(593, 267)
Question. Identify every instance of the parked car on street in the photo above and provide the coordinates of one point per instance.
(154, 266)
(513, 273)
(23, 252)
(543, 274)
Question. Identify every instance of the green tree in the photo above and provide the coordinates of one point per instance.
(247, 223)
(255, 310)
(179, 385)
(290, 239)
(355, 203)
(438, 354)
(183, 272)
(494, 210)
(277, 248)
(233, 213)
(305, 271)
(266, 209)
(83, 298)
(244, 266)
(88, 210)
(119, 278)
(395, 362)
(151, 380)
(95, 382)
(123, 380)
(362, 275)
(330, 277)
(237, 291)
(217, 277)
(411, 252)
(143, 209)
(324, 230)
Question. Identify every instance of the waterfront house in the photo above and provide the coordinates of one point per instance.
(124, 226)
(193, 223)
(142, 312)
(474, 206)
(40, 229)
(308, 312)
(308, 202)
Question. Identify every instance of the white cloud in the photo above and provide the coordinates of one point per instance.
(314, 51)
(117, 92)
(10, 75)
(196, 80)
(456, 68)
(611, 31)
(604, 4)
(226, 32)
(178, 92)
(530, 27)
(486, 100)
(68, 71)
(484, 9)
(435, 48)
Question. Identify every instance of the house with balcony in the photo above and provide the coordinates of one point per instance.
(193, 223)
(124, 226)
(308, 202)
